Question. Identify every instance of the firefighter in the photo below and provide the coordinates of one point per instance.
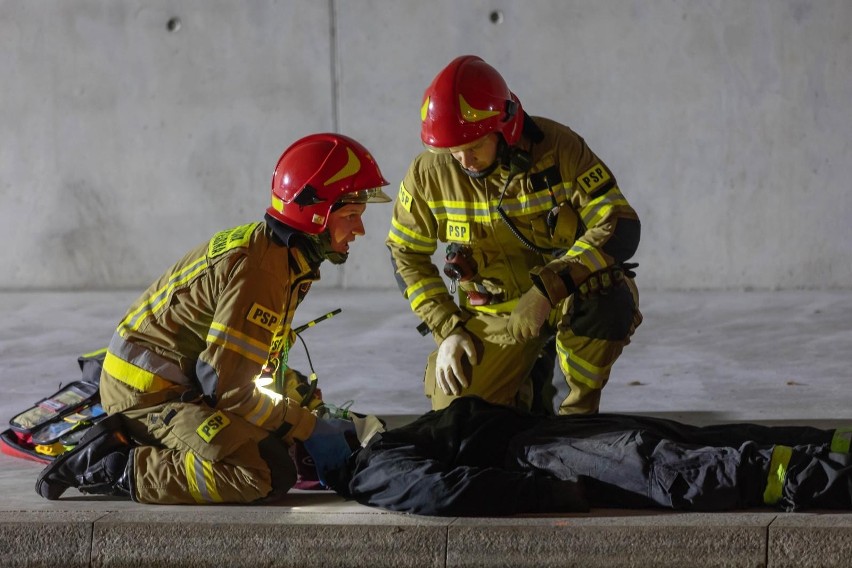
(188, 422)
(538, 234)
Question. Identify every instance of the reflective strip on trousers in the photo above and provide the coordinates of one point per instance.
(582, 371)
(840, 440)
(777, 474)
(200, 479)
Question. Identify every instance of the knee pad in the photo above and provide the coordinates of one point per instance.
(606, 316)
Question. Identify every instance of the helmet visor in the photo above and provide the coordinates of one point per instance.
(373, 195)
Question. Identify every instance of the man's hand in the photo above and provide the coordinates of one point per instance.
(328, 446)
(529, 315)
(448, 365)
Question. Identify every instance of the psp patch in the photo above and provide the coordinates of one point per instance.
(594, 178)
(404, 198)
(264, 317)
(458, 232)
(212, 426)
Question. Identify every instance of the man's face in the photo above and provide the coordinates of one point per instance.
(479, 155)
(344, 225)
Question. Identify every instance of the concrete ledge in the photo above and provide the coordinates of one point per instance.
(267, 538)
(61, 538)
(281, 536)
(803, 540)
(648, 540)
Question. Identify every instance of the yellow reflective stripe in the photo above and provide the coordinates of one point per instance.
(486, 211)
(191, 477)
(405, 236)
(238, 342)
(593, 216)
(840, 440)
(263, 409)
(464, 210)
(777, 474)
(582, 371)
(588, 255)
(501, 308)
(161, 296)
(134, 376)
(210, 481)
(528, 204)
(94, 353)
(599, 208)
(423, 290)
(200, 479)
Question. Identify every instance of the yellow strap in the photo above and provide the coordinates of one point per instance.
(840, 440)
(777, 474)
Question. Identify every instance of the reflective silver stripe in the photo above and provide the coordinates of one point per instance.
(533, 203)
(405, 236)
(200, 479)
(238, 342)
(600, 207)
(147, 360)
(588, 255)
(461, 210)
(582, 371)
(262, 410)
(425, 289)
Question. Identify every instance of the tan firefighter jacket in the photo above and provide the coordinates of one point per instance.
(212, 321)
(595, 227)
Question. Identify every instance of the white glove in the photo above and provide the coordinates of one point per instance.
(529, 315)
(448, 365)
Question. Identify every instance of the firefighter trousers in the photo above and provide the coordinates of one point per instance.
(189, 453)
(591, 332)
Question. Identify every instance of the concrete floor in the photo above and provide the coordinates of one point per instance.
(701, 357)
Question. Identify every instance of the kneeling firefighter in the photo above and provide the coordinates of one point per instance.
(538, 237)
(188, 422)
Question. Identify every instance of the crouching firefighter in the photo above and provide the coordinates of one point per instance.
(188, 422)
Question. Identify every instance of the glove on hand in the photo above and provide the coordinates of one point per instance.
(529, 315)
(328, 446)
(448, 365)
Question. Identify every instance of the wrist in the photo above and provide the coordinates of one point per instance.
(552, 285)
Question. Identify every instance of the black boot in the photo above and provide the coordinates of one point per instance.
(98, 464)
(109, 476)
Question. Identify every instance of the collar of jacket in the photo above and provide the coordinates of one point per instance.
(531, 135)
(291, 238)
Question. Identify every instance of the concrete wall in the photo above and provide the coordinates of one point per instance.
(126, 140)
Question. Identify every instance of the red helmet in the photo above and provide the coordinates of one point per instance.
(318, 171)
(467, 100)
